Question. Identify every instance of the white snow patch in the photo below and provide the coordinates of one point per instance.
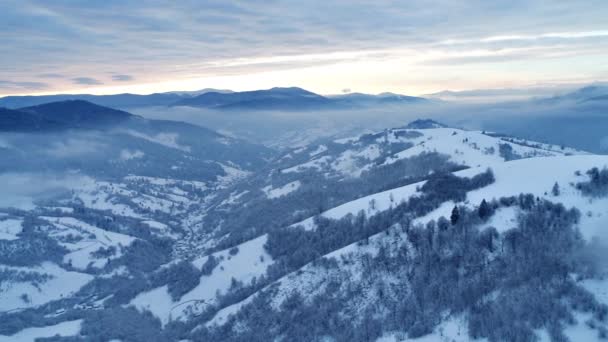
(320, 149)
(369, 204)
(69, 328)
(94, 238)
(451, 330)
(317, 164)
(250, 261)
(9, 229)
(157, 301)
(503, 219)
(282, 191)
(232, 175)
(472, 148)
(61, 284)
(531, 175)
(234, 197)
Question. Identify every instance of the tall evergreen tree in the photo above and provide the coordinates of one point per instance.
(484, 209)
(455, 215)
(555, 191)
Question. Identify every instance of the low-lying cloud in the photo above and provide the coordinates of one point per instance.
(22, 190)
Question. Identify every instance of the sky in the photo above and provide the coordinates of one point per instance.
(412, 47)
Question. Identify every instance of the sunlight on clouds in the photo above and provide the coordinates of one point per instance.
(411, 71)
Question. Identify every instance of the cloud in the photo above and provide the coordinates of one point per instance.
(183, 40)
(23, 86)
(86, 81)
(122, 78)
(504, 94)
(74, 147)
(21, 190)
(128, 154)
(51, 75)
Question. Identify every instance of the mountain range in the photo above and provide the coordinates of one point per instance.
(270, 99)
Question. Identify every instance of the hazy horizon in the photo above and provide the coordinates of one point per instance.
(413, 48)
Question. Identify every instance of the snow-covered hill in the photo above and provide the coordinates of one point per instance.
(535, 176)
(414, 233)
(306, 180)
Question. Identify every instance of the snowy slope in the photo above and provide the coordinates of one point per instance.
(92, 239)
(64, 329)
(249, 262)
(468, 148)
(58, 283)
(533, 175)
(474, 148)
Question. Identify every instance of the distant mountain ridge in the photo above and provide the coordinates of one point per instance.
(115, 100)
(277, 98)
(362, 99)
(293, 98)
(59, 116)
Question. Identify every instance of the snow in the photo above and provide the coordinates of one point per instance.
(62, 284)
(575, 332)
(348, 140)
(160, 229)
(451, 330)
(155, 225)
(157, 301)
(531, 175)
(319, 150)
(471, 148)
(9, 229)
(63, 210)
(445, 207)
(222, 315)
(94, 238)
(316, 164)
(282, 191)
(348, 163)
(538, 175)
(503, 219)
(234, 197)
(100, 195)
(599, 287)
(69, 328)
(232, 175)
(369, 204)
(250, 261)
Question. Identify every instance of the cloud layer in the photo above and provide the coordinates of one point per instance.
(429, 43)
